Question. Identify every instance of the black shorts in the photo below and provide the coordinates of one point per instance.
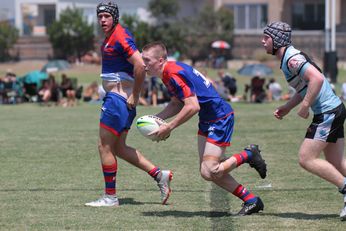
(328, 126)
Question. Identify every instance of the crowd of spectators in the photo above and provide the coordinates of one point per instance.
(47, 92)
(14, 90)
(66, 93)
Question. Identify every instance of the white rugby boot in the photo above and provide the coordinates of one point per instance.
(164, 185)
(104, 201)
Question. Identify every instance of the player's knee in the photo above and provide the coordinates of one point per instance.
(211, 170)
(304, 160)
(205, 175)
(104, 149)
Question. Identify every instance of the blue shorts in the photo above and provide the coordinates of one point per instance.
(115, 116)
(218, 132)
(328, 126)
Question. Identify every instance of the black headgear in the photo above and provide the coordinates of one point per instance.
(109, 7)
(280, 32)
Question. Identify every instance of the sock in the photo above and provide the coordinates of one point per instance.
(155, 173)
(109, 173)
(242, 193)
(243, 157)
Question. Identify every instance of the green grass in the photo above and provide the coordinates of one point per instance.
(50, 167)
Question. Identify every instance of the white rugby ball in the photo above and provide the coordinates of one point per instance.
(147, 124)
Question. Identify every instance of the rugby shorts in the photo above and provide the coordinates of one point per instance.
(328, 126)
(115, 116)
(218, 132)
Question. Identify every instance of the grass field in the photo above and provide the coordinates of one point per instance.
(50, 167)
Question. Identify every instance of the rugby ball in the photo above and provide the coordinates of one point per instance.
(147, 124)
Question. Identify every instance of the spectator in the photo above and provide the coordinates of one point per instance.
(258, 94)
(91, 92)
(274, 90)
(44, 93)
(68, 91)
(54, 88)
(230, 83)
(11, 91)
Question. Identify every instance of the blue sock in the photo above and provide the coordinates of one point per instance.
(249, 154)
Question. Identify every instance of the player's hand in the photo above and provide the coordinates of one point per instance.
(280, 112)
(132, 102)
(303, 111)
(162, 133)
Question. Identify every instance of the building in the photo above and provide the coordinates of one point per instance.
(33, 17)
(307, 18)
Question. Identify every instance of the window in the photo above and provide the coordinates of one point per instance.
(308, 16)
(249, 16)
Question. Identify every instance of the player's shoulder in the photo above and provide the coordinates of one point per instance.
(121, 33)
(295, 61)
(173, 67)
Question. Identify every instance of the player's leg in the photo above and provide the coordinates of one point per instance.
(221, 136)
(106, 146)
(334, 154)
(211, 170)
(309, 154)
(250, 155)
(113, 112)
(136, 158)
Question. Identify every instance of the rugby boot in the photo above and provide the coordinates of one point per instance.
(256, 160)
(164, 185)
(104, 201)
(250, 208)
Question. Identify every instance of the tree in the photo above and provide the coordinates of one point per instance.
(71, 35)
(140, 30)
(191, 36)
(8, 37)
(207, 27)
(163, 9)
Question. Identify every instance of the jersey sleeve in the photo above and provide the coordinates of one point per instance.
(127, 43)
(181, 87)
(297, 65)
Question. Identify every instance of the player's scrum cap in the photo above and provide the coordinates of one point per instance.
(109, 7)
(280, 32)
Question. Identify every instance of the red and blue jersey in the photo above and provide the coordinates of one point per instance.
(183, 81)
(115, 50)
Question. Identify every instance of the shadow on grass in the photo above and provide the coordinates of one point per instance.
(130, 201)
(302, 216)
(177, 213)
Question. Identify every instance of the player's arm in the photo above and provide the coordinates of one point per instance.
(173, 108)
(190, 108)
(315, 81)
(139, 74)
(283, 110)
